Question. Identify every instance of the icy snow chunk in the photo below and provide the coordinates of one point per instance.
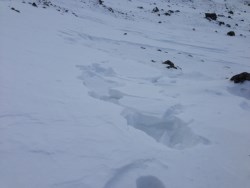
(168, 130)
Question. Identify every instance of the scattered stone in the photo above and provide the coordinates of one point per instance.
(236, 25)
(34, 4)
(100, 2)
(75, 14)
(210, 16)
(242, 20)
(193, 29)
(177, 11)
(143, 48)
(153, 61)
(159, 22)
(124, 33)
(15, 9)
(111, 10)
(155, 10)
(231, 33)
(221, 23)
(228, 25)
(167, 14)
(170, 64)
(140, 7)
(230, 12)
(159, 50)
(240, 78)
(230, 17)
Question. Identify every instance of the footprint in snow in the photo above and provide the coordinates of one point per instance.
(149, 182)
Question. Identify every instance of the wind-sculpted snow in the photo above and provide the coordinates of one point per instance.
(87, 99)
(168, 130)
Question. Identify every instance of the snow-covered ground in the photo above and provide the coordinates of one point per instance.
(85, 101)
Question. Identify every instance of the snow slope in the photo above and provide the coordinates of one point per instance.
(86, 101)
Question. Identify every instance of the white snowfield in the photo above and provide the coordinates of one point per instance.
(85, 101)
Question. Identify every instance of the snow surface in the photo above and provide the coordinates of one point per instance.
(82, 104)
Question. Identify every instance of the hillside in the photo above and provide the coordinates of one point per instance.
(124, 93)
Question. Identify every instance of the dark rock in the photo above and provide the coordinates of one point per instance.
(230, 17)
(177, 11)
(242, 20)
(111, 10)
(230, 12)
(15, 9)
(140, 7)
(100, 2)
(167, 14)
(124, 33)
(221, 23)
(155, 10)
(34, 4)
(231, 33)
(210, 16)
(75, 14)
(240, 78)
(170, 64)
(228, 25)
